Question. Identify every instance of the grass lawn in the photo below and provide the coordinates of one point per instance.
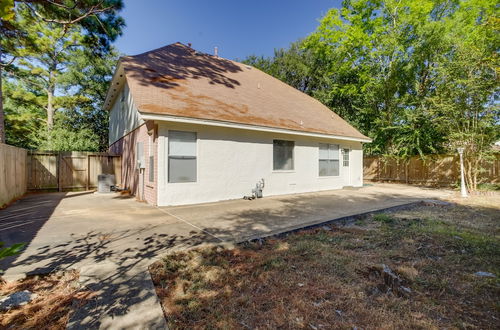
(334, 278)
(56, 294)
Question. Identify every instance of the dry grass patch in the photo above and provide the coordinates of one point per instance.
(56, 294)
(319, 279)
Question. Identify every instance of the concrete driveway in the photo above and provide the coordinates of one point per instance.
(112, 240)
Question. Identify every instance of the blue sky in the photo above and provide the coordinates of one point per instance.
(237, 28)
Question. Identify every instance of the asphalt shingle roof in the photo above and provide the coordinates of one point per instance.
(177, 80)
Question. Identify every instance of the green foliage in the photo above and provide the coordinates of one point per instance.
(488, 186)
(379, 55)
(297, 66)
(58, 57)
(24, 114)
(63, 139)
(418, 77)
(10, 251)
(58, 78)
(98, 19)
(383, 218)
(7, 9)
(88, 78)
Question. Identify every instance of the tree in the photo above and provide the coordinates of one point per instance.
(296, 66)
(80, 84)
(42, 67)
(98, 20)
(25, 116)
(378, 57)
(89, 77)
(418, 77)
(465, 103)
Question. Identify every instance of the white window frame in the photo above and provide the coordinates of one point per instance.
(338, 159)
(169, 156)
(349, 156)
(151, 159)
(139, 154)
(293, 157)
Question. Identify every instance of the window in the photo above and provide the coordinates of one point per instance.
(345, 158)
(328, 159)
(151, 159)
(151, 168)
(139, 157)
(283, 155)
(181, 156)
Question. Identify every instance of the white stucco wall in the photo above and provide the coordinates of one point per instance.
(231, 161)
(123, 120)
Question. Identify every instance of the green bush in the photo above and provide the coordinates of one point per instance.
(384, 218)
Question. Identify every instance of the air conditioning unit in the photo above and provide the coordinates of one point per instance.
(105, 182)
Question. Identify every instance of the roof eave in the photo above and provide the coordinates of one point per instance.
(209, 122)
(118, 77)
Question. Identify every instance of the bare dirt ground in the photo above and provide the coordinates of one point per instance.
(56, 294)
(334, 276)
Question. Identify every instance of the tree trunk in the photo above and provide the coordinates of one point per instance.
(2, 118)
(50, 108)
(471, 165)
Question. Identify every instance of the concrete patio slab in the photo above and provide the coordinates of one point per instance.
(240, 220)
(112, 240)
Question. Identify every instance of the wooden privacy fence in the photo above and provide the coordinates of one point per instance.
(13, 182)
(439, 170)
(65, 171)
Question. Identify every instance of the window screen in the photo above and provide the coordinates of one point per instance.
(181, 156)
(139, 157)
(151, 168)
(151, 159)
(283, 155)
(345, 158)
(328, 159)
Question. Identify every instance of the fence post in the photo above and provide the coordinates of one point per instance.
(58, 171)
(407, 163)
(378, 168)
(88, 173)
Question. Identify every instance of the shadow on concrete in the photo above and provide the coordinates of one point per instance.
(282, 213)
(117, 255)
(238, 290)
(21, 222)
(119, 265)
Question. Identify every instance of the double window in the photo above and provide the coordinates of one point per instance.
(181, 156)
(328, 159)
(283, 155)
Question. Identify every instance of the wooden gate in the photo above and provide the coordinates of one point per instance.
(65, 171)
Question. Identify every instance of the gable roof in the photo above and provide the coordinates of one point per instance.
(176, 80)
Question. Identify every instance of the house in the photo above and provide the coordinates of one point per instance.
(194, 128)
